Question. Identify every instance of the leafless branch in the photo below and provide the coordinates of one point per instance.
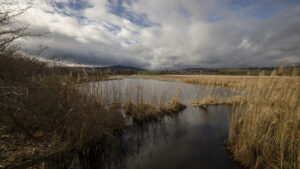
(10, 32)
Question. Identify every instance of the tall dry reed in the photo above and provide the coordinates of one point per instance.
(265, 127)
(265, 132)
(139, 100)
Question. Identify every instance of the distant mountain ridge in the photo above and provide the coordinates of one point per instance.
(116, 67)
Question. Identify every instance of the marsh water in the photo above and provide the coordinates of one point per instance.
(191, 139)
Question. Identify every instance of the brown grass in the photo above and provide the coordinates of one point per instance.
(144, 102)
(209, 80)
(145, 112)
(264, 132)
(227, 81)
(42, 111)
(207, 101)
(47, 109)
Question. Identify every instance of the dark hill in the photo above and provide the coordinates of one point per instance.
(116, 67)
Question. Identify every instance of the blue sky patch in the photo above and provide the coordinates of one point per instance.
(72, 4)
(117, 7)
(115, 29)
(213, 18)
(262, 9)
(184, 12)
(76, 7)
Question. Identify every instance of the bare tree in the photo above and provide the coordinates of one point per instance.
(10, 31)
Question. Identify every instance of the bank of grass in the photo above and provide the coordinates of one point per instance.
(208, 80)
(148, 72)
(265, 126)
(213, 101)
(242, 71)
(265, 132)
(223, 81)
(42, 111)
(47, 109)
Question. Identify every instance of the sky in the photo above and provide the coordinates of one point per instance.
(164, 34)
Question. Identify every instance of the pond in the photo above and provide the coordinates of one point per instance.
(191, 139)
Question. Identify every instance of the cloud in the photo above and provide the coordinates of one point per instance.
(166, 34)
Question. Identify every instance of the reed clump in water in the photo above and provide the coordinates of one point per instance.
(145, 112)
(146, 102)
(265, 133)
(175, 106)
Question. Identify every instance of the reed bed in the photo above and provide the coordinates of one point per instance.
(46, 110)
(265, 132)
(223, 81)
(265, 125)
(42, 111)
(139, 101)
(208, 80)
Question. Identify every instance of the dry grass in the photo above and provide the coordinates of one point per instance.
(48, 109)
(145, 112)
(209, 80)
(139, 101)
(207, 101)
(227, 81)
(144, 102)
(264, 132)
(42, 111)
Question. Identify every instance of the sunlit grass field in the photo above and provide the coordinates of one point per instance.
(228, 81)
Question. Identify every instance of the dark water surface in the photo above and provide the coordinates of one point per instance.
(190, 140)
